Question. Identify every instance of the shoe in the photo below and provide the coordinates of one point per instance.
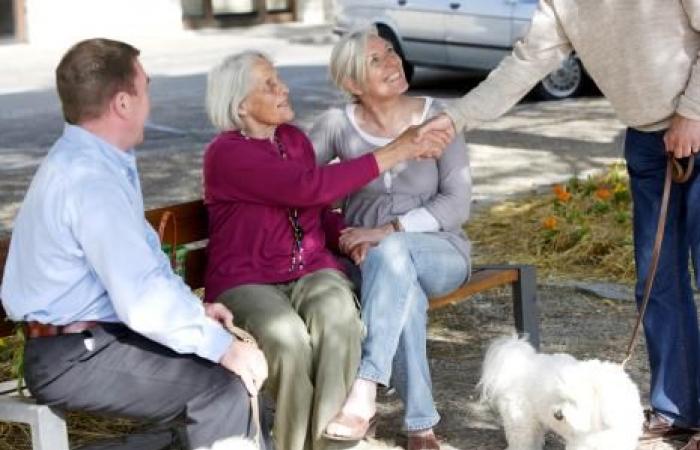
(423, 442)
(693, 443)
(358, 427)
(657, 426)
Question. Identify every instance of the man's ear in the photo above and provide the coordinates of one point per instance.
(352, 86)
(121, 104)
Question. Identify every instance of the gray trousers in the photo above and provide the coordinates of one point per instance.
(127, 375)
(310, 332)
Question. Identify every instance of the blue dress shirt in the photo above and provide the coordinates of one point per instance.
(82, 249)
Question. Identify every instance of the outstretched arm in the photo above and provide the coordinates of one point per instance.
(541, 50)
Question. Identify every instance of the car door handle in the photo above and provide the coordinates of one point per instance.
(455, 5)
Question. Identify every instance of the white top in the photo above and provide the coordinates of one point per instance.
(415, 220)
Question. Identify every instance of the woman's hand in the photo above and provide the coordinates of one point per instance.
(220, 313)
(357, 253)
(352, 237)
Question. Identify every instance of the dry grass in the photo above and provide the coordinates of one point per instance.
(582, 229)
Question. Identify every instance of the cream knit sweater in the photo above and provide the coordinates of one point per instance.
(642, 54)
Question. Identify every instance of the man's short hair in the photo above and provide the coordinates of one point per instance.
(91, 73)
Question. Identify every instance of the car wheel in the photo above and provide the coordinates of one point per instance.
(386, 33)
(566, 81)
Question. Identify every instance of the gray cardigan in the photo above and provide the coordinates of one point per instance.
(442, 187)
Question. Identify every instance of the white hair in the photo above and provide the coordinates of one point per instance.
(349, 58)
(228, 84)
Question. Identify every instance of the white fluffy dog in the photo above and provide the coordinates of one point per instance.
(592, 404)
(233, 443)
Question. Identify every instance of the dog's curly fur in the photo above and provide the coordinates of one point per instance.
(592, 404)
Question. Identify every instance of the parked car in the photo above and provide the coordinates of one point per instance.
(458, 34)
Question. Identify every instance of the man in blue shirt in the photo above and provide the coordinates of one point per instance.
(111, 328)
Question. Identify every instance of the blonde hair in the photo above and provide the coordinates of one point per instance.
(228, 84)
(349, 58)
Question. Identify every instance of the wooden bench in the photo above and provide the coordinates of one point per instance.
(189, 228)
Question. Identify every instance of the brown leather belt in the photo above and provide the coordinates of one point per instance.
(36, 329)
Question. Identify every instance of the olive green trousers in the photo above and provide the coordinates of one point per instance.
(310, 332)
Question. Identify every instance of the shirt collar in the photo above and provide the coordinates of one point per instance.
(123, 159)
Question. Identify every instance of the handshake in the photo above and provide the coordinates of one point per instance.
(425, 141)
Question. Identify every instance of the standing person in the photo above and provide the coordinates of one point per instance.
(406, 232)
(268, 260)
(110, 328)
(644, 58)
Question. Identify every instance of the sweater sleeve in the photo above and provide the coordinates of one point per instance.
(689, 102)
(323, 135)
(237, 170)
(539, 52)
(452, 203)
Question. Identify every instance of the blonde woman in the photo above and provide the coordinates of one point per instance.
(405, 232)
(267, 255)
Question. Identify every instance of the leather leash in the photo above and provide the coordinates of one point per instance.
(244, 336)
(675, 172)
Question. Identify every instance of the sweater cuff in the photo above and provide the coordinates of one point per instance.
(455, 114)
(371, 165)
(688, 108)
(215, 341)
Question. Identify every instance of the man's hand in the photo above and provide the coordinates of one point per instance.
(442, 123)
(220, 313)
(247, 361)
(683, 137)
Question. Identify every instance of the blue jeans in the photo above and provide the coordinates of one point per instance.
(398, 276)
(670, 323)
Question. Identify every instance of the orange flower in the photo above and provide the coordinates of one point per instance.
(561, 193)
(603, 193)
(550, 223)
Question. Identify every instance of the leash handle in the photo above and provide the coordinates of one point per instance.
(675, 172)
(245, 336)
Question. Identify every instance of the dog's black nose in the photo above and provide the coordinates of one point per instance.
(558, 414)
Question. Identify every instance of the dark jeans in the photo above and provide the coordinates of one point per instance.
(670, 324)
(125, 374)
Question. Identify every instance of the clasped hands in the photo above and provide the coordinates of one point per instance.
(430, 139)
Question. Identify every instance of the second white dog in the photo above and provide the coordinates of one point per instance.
(592, 404)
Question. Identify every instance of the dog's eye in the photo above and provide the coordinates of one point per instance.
(558, 414)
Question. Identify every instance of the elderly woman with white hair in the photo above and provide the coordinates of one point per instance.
(405, 235)
(268, 259)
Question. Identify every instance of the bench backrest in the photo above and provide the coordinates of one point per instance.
(6, 327)
(190, 220)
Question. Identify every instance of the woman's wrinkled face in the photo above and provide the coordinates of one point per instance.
(385, 77)
(268, 101)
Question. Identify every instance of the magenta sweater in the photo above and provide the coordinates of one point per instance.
(248, 190)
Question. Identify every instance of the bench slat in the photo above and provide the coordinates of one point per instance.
(480, 280)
